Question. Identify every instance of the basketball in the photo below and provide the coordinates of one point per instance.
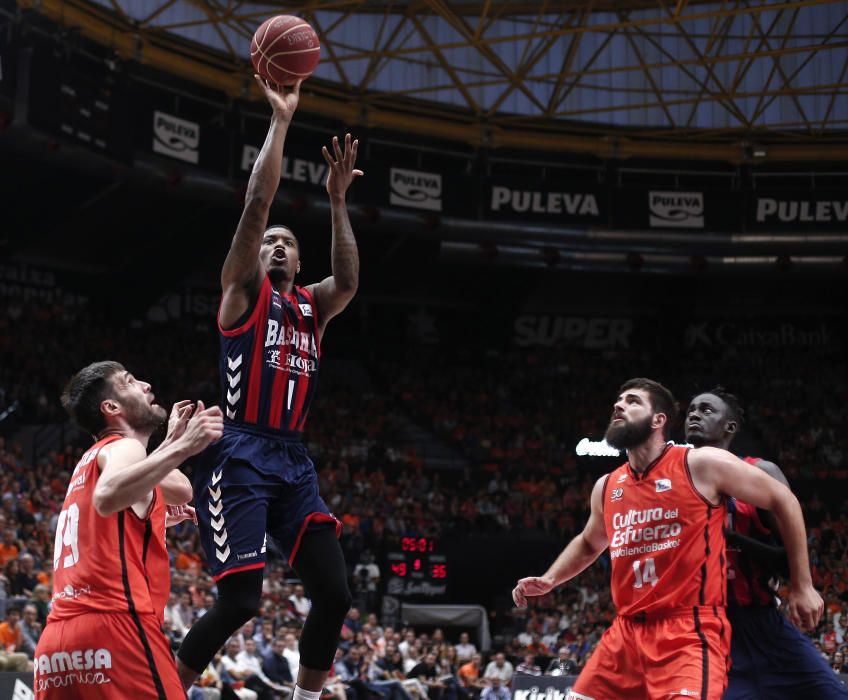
(285, 49)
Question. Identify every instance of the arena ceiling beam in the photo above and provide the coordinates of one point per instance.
(445, 64)
(471, 9)
(559, 120)
(567, 63)
(606, 27)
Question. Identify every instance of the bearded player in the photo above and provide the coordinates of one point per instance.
(259, 478)
(771, 659)
(111, 573)
(661, 514)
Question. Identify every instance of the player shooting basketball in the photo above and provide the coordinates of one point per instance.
(258, 477)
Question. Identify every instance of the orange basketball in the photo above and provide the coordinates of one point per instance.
(285, 49)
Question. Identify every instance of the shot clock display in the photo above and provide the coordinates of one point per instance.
(416, 567)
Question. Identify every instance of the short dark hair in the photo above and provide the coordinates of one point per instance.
(662, 400)
(84, 392)
(734, 407)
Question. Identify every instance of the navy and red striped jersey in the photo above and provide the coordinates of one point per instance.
(269, 364)
(748, 583)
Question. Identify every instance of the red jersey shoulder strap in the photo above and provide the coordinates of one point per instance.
(692, 482)
(261, 302)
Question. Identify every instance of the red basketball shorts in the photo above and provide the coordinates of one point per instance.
(685, 655)
(105, 656)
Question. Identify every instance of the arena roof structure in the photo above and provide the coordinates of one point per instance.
(704, 80)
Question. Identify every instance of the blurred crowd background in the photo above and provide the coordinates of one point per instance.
(408, 445)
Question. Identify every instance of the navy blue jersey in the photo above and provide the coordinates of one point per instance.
(772, 659)
(269, 364)
(748, 582)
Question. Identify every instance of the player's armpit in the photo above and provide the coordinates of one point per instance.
(717, 472)
(242, 273)
(128, 475)
(112, 459)
(119, 454)
(176, 488)
(771, 557)
(331, 298)
(595, 532)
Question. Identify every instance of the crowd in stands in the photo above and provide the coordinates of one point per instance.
(515, 433)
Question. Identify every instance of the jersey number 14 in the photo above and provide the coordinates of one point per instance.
(644, 572)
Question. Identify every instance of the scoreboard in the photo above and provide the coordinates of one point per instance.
(415, 566)
(78, 98)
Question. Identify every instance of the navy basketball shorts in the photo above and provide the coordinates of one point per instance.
(771, 659)
(249, 483)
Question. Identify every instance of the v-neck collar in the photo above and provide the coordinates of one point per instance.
(636, 476)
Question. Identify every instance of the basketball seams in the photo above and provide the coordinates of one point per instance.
(284, 33)
(287, 53)
(287, 70)
(269, 62)
(266, 63)
(268, 23)
(290, 72)
(259, 61)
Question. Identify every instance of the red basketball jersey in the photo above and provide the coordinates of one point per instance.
(666, 539)
(749, 582)
(114, 564)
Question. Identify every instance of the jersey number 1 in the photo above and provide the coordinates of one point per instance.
(644, 574)
(67, 535)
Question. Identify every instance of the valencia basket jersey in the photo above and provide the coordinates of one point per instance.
(114, 564)
(665, 539)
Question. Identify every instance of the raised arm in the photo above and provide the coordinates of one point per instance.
(577, 556)
(176, 487)
(772, 557)
(241, 276)
(128, 475)
(716, 472)
(333, 293)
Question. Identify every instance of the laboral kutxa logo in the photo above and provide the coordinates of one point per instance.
(416, 189)
(175, 137)
(676, 209)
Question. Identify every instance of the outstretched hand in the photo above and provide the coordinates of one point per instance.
(283, 99)
(531, 586)
(178, 420)
(174, 515)
(205, 427)
(341, 171)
